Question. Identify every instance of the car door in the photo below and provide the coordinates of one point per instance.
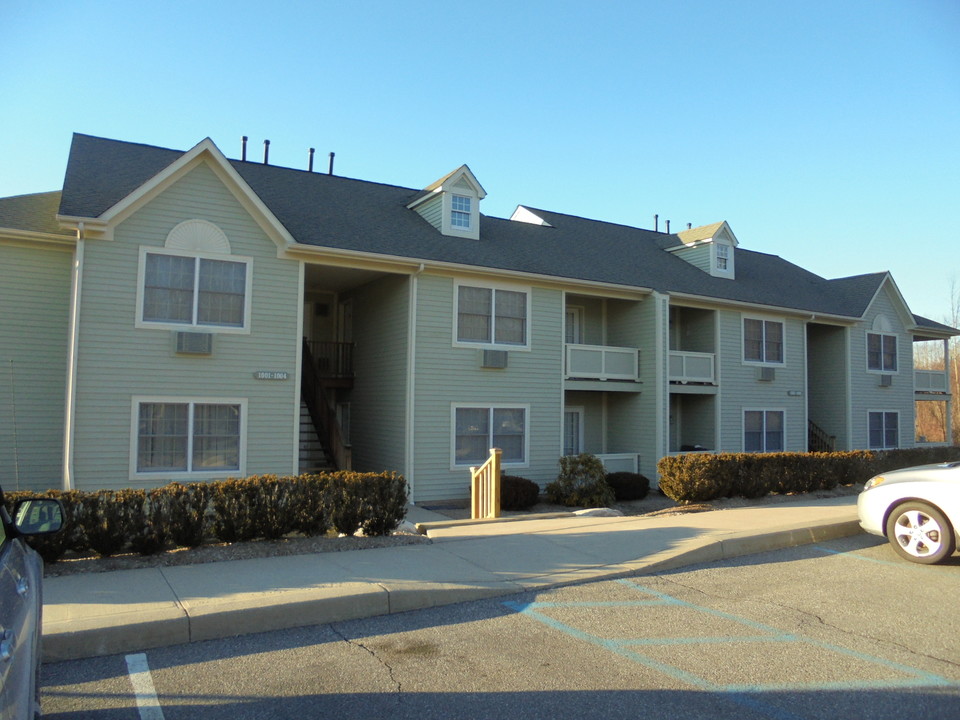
(18, 628)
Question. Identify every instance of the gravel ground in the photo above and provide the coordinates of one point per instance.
(654, 504)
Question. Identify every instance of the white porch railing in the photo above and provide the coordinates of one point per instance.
(601, 362)
(688, 367)
(930, 381)
(620, 462)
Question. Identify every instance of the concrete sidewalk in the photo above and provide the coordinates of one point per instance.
(94, 614)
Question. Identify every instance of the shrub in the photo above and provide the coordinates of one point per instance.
(108, 520)
(702, 477)
(309, 512)
(148, 531)
(628, 485)
(235, 504)
(385, 498)
(184, 511)
(581, 483)
(344, 505)
(518, 493)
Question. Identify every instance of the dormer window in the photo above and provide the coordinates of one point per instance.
(460, 211)
(452, 204)
(723, 256)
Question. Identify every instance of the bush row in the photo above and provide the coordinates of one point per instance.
(187, 515)
(703, 477)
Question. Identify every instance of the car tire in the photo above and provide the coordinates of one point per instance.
(920, 533)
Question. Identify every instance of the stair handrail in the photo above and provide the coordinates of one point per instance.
(314, 394)
(819, 440)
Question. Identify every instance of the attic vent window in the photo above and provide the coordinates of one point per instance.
(460, 211)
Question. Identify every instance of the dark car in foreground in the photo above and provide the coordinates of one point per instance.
(917, 509)
(21, 603)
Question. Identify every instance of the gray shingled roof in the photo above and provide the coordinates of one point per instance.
(338, 212)
(35, 213)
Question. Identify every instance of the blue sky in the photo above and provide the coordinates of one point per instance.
(824, 132)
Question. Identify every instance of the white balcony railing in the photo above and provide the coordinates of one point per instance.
(688, 367)
(930, 381)
(600, 362)
(620, 462)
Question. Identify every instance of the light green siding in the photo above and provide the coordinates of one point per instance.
(447, 375)
(432, 211)
(866, 392)
(118, 361)
(34, 309)
(827, 380)
(741, 389)
(379, 398)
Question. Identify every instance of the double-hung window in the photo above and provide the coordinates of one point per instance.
(723, 257)
(460, 211)
(881, 352)
(479, 428)
(884, 429)
(188, 436)
(762, 341)
(193, 290)
(763, 431)
(492, 316)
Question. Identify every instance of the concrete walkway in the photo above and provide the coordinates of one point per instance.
(92, 614)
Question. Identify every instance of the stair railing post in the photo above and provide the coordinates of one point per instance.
(485, 487)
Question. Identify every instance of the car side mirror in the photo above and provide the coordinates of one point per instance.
(38, 516)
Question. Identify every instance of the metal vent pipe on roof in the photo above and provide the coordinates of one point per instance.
(310, 160)
(330, 169)
(689, 226)
(243, 148)
(266, 152)
(656, 223)
(668, 227)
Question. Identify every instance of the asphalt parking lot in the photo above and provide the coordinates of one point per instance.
(837, 630)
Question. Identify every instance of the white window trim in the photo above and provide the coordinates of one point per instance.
(248, 292)
(764, 362)
(526, 289)
(489, 406)
(743, 428)
(899, 429)
(448, 228)
(866, 350)
(138, 475)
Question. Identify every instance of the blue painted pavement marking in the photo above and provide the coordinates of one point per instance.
(745, 695)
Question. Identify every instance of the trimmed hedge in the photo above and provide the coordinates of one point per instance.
(628, 485)
(701, 477)
(518, 493)
(262, 506)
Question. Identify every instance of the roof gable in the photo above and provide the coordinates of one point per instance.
(99, 212)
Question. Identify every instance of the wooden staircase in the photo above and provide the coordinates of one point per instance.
(313, 455)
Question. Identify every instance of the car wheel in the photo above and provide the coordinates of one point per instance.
(920, 533)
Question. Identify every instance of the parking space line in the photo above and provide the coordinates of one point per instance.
(632, 647)
(143, 689)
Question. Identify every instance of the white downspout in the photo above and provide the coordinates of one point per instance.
(73, 337)
(411, 380)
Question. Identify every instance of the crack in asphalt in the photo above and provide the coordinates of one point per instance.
(373, 653)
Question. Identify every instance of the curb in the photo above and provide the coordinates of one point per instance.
(197, 620)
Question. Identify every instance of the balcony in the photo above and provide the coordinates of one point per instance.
(601, 362)
(930, 381)
(692, 367)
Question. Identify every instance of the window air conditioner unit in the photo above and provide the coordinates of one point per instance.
(194, 343)
(494, 359)
(767, 374)
(886, 381)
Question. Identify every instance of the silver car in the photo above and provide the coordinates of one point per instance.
(21, 603)
(917, 509)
